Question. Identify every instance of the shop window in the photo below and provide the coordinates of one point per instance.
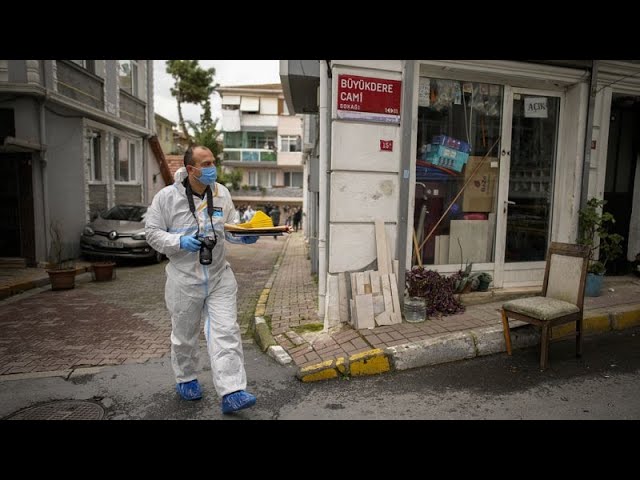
(458, 122)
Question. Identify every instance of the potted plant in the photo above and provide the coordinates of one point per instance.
(595, 232)
(428, 293)
(61, 267)
(485, 280)
(103, 270)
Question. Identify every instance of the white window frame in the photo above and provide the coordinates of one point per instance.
(133, 146)
(288, 140)
(133, 75)
(289, 175)
(93, 137)
(254, 178)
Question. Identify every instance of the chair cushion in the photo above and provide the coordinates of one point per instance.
(542, 308)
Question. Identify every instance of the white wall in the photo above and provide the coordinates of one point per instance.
(66, 177)
(289, 159)
(289, 125)
(364, 180)
(568, 181)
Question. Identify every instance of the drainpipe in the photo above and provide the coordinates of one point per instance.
(584, 189)
(405, 174)
(43, 160)
(151, 127)
(323, 207)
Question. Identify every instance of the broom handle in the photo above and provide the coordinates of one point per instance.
(459, 193)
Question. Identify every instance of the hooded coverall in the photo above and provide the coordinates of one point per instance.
(194, 291)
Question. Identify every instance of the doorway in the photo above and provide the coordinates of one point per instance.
(17, 237)
(623, 151)
(525, 201)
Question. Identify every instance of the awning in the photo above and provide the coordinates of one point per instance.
(300, 81)
(230, 120)
(13, 144)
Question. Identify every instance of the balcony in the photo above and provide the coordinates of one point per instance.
(77, 83)
(236, 156)
(132, 109)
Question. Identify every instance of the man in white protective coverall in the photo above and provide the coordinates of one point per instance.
(186, 223)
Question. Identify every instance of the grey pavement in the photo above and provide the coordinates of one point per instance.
(125, 322)
(476, 332)
(111, 323)
(603, 385)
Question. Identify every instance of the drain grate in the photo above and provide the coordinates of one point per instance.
(60, 410)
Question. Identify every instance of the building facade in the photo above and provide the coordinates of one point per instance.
(482, 162)
(263, 142)
(164, 131)
(73, 142)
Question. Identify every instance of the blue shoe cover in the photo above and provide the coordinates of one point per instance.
(237, 401)
(189, 390)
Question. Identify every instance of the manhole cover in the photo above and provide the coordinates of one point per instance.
(61, 410)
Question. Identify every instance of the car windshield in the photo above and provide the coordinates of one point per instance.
(130, 213)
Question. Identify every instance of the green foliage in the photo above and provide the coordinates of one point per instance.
(193, 84)
(231, 179)
(309, 327)
(207, 135)
(595, 225)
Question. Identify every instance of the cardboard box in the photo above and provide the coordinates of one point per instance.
(479, 196)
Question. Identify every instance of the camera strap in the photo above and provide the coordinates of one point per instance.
(192, 207)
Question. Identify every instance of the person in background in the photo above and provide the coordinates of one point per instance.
(248, 214)
(297, 218)
(275, 217)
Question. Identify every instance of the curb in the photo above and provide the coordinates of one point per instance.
(25, 285)
(464, 345)
(371, 362)
(259, 326)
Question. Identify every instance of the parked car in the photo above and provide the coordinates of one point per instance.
(118, 233)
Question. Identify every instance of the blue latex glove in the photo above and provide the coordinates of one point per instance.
(189, 243)
(249, 239)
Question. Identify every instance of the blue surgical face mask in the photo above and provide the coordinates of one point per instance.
(208, 176)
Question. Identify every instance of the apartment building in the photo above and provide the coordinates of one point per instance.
(264, 142)
(74, 140)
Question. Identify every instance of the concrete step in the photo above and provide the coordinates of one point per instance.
(498, 295)
(13, 262)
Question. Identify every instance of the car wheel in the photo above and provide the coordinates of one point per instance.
(158, 257)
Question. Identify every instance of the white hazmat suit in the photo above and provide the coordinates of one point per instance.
(194, 291)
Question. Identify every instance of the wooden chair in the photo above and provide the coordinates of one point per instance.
(561, 301)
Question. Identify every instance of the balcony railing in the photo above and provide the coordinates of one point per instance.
(132, 109)
(77, 83)
(249, 155)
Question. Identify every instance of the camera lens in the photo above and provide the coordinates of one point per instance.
(205, 255)
(206, 247)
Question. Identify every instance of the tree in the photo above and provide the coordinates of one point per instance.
(193, 84)
(207, 135)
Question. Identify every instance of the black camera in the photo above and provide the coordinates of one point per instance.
(206, 246)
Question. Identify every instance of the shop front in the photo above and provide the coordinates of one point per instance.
(491, 167)
(463, 161)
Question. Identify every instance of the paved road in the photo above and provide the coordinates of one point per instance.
(605, 384)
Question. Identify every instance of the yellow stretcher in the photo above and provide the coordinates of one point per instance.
(260, 224)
